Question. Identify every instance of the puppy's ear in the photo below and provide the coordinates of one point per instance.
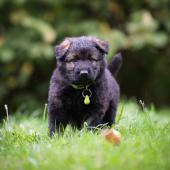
(61, 49)
(102, 45)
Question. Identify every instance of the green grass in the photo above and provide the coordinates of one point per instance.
(24, 144)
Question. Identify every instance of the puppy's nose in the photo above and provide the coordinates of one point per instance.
(84, 72)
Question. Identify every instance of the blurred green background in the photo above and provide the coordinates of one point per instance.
(30, 29)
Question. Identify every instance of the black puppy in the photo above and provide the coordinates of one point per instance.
(82, 88)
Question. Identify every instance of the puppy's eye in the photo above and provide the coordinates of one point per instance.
(70, 61)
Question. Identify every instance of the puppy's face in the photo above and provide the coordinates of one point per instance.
(81, 60)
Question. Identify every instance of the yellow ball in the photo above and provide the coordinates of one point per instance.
(112, 136)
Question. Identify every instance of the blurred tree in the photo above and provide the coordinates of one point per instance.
(30, 29)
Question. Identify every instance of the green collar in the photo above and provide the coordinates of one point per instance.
(79, 87)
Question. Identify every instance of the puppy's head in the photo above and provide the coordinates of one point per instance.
(81, 59)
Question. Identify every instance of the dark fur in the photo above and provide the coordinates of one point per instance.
(115, 65)
(65, 103)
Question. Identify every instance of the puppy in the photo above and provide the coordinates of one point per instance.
(82, 89)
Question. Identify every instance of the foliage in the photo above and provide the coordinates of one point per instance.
(30, 29)
(24, 144)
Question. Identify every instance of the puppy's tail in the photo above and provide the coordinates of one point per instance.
(114, 66)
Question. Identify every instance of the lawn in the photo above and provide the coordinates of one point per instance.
(25, 145)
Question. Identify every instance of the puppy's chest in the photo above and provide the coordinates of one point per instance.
(73, 102)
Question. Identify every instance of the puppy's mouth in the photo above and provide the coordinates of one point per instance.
(84, 80)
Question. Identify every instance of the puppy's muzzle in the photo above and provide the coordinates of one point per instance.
(84, 77)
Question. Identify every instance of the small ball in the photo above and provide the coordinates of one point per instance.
(112, 136)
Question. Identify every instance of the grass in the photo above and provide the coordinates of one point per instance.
(24, 144)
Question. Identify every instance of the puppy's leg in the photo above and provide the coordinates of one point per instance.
(57, 122)
(95, 119)
(110, 115)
